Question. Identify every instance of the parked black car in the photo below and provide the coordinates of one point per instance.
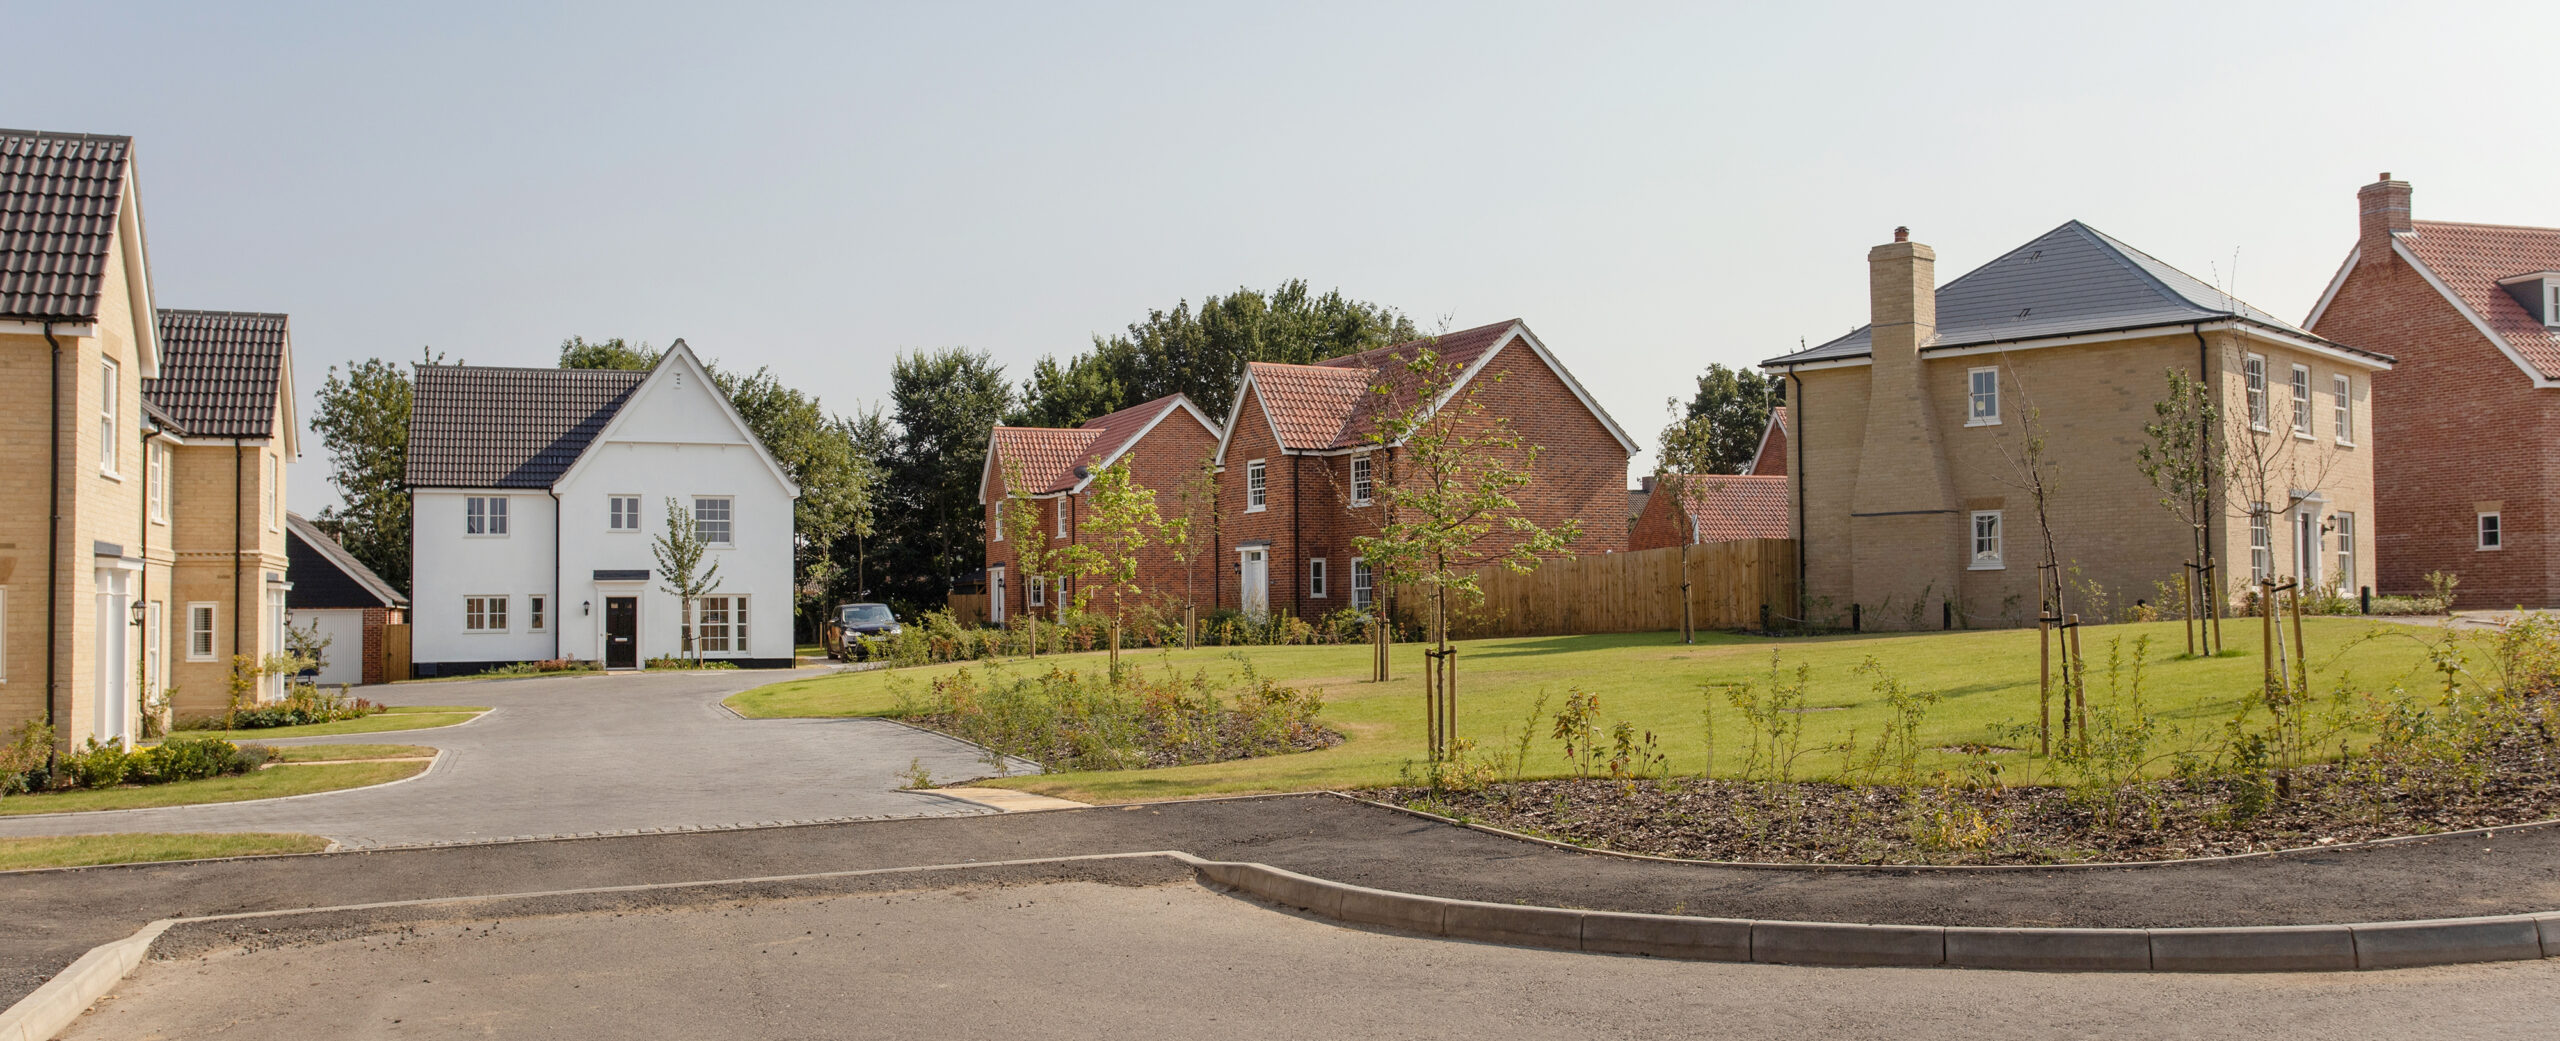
(853, 621)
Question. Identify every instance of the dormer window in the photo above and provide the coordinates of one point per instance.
(2539, 293)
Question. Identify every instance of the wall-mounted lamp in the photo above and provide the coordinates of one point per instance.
(586, 607)
(138, 608)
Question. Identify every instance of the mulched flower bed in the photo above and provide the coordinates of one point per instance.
(2514, 782)
(1156, 746)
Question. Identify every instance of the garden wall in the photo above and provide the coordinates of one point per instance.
(1633, 592)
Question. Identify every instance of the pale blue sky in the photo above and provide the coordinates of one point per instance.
(1652, 187)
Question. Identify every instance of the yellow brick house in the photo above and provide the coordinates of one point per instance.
(1906, 436)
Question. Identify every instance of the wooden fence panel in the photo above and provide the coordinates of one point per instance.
(395, 652)
(1729, 583)
(968, 608)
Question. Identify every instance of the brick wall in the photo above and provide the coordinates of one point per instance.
(1164, 460)
(2458, 427)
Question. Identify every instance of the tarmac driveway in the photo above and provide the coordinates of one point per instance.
(593, 755)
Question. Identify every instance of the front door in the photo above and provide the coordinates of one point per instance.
(622, 632)
(995, 595)
(2306, 546)
(1257, 583)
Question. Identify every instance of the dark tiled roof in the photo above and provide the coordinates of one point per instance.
(2471, 258)
(59, 197)
(1727, 507)
(219, 371)
(2073, 279)
(326, 575)
(475, 426)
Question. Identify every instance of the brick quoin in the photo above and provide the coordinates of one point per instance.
(2457, 424)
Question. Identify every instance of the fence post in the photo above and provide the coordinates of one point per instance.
(1764, 618)
(1946, 614)
(2368, 599)
(1855, 621)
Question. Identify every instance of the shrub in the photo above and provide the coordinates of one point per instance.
(1066, 720)
(185, 759)
(23, 758)
(94, 766)
(669, 661)
(545, 667)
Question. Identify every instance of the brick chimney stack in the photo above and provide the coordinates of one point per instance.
(2381, 208)
(1903, 528)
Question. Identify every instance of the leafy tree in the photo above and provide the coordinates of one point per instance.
(945, 402)
(2180, 461)
(577, 353)
(363, 421)
(680, 552)
(1121, 523)
(1683, 469)
(1033, 555)
(1200, 352)
(1447, 506)
(1735, 403)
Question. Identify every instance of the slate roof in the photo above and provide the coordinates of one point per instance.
(1727, 507)
(480, 426)
(1047, 456)
(60, 195)
(2471, 258)
(219, 371)
(2073, 279)
(326, 575)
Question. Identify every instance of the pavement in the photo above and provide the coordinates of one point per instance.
(594, 755)
(1086, 959)
(55, 916)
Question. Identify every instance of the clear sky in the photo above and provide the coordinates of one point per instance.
(1652, 188)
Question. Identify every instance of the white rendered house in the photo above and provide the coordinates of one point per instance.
(537, 494)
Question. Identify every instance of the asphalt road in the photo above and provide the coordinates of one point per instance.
(590, 755)
(1082, 959)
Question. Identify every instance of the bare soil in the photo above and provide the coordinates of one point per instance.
(2514, 782)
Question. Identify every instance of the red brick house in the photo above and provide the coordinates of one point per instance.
(1165, 441)
(1299, 477)
(1772, 456)
(1724, 508)
(2473, 313)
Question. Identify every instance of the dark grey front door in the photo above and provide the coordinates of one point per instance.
(621, 632)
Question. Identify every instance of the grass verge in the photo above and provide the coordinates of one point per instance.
(262, 784)
(81, 850)
(398, 717)
(342, 753)
(1654, 682)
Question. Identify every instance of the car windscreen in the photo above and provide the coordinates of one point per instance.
(868, 614)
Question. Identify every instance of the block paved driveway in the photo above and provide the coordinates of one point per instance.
(592, 755)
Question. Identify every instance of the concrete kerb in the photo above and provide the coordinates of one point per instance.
(2314, 948)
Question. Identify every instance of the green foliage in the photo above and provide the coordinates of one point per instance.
(362, 418)
(668, 661)
(1199, 352)
(616, 353)
(545, 667)
(945, 402)
(98, 765)
(1068, 720)
(1719, 430)
(680, 551)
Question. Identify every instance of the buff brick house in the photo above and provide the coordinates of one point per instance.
(1299, 468)
(1165, 442)
(1908, 506)
(2472, 312)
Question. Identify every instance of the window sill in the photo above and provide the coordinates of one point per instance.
(1358, 503)
(1256, 509)
(112, 476)
(499, 535)
(2300, 436)
(2344, 444)
(1982, 422)
(2490, 549)
(1988, 567)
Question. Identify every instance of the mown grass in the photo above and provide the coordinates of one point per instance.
(1651, 680)
(82, 850)
(398, 717)
(337, 753)
(259, 784)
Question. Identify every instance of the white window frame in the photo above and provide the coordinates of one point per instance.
(614, 517)
(728, 521)
(2342, 409)
(2253, 386)
(733, 624)
(488, 513)
(2302, 402)
(275, 496)
(1035, 591)
(1062, 516)
(1364, 480)
(2491, 531)
(209, 614)
(1982, 407)
(2551, 303)
(1257, 486)
(2343, 525)
(997, 520)
(537, 612)
(155, 480)
(2262, 545)
(1315, 578)
(485, 608)
(108, 402)
(1974, 539)
(155, 646)
(1363, 583)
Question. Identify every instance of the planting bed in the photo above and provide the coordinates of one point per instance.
(2516, 781)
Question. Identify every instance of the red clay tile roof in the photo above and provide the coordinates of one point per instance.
(2471, 258)
(1311, 406)
(1462, 347)
(1727, 507)
(1048, 456)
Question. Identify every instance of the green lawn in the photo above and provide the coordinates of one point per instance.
(262, 784)
(341, 753)
(79, 850)
(1651, 680)
(399, 717)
